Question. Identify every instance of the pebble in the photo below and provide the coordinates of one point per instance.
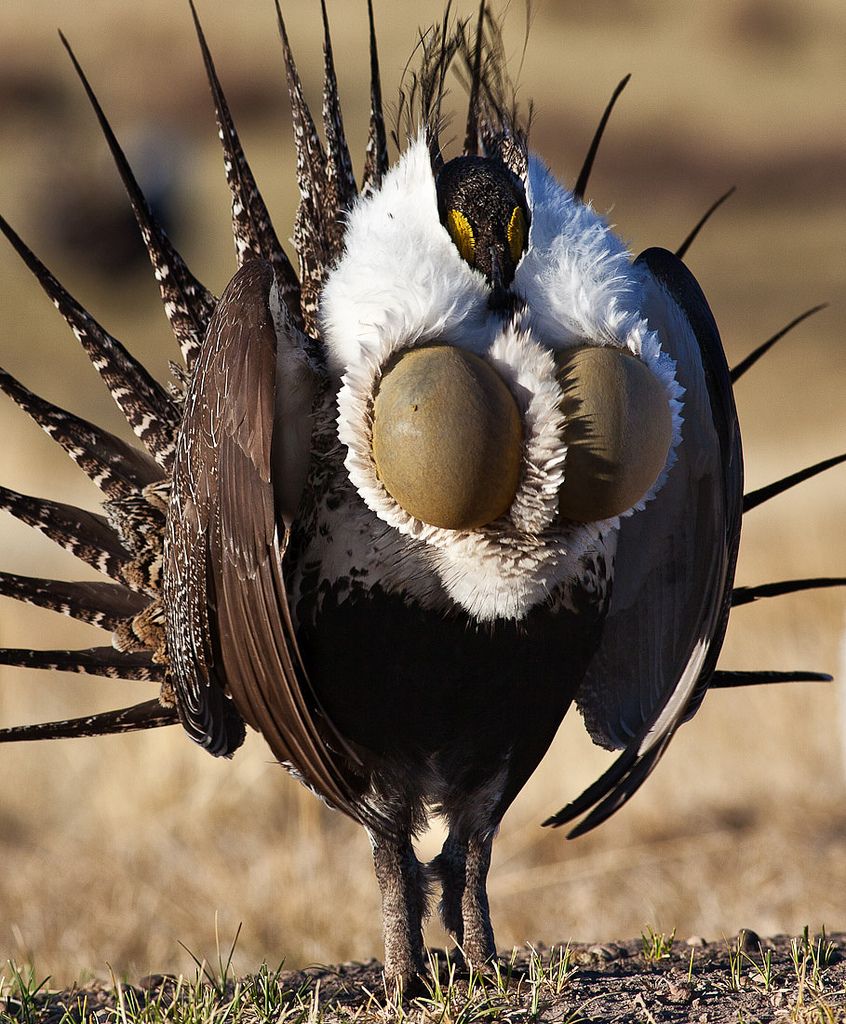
(679, 991)
(607, 952)
(748, 941)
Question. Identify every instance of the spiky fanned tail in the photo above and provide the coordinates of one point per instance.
(252, 229)
(149, 409)
(126, 542)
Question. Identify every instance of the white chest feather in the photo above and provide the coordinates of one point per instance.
(401, 283)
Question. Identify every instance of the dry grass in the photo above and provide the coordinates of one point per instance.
(116, 849)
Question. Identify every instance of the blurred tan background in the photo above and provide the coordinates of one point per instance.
(115, 850)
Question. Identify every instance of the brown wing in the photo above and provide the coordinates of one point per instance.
(674, 568)
(231, 642)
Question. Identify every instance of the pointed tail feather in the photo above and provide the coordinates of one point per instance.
(94, 661)
(756, 498)
(632, 778)
(438, 55)
(255, 236)
(681, 252)
(148, 408)
(106, 605)
(725, 680)
(584, 175)
(746, 595)
(471, 131)
(494, 127)
(116, 467)
(340, 180)
(311, 230)
(755, 355)
(632, 772)
(85, 534)
(188, 303)
(150, 714)
(139, 522)
(376, 154)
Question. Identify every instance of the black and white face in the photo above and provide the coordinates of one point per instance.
(483, 207)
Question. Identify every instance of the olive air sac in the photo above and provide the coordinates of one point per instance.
(447, 438)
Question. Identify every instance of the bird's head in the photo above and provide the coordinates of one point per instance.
(482, 204)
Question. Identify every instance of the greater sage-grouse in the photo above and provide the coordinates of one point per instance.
(468, 463)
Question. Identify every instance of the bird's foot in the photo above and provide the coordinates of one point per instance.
(405, 984)
(480, 960)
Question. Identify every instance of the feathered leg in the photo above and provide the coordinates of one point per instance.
(403, 887)
(462, 868)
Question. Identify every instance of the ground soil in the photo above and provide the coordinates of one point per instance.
(610, 982)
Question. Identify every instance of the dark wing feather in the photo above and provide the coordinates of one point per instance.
(675, 560)
(229, 630)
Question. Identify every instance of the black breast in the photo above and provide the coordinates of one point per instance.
(414, 690)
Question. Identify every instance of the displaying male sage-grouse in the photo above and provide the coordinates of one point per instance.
(467, 464)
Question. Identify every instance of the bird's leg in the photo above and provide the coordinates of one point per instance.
(479, 946)
(402, 882)
(463, 870)
(449, 867)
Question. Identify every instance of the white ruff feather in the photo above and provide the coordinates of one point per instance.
(581, 287)
(401, 283)
(401, 279)
(577, 276)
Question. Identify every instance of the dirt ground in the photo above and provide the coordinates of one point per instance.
(745, 979)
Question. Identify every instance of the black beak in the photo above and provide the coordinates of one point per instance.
(502, 299)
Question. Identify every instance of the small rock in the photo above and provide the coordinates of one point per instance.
(697, 941)
(154, 982)
(607, 952)
(748, 941)
(679, 991)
